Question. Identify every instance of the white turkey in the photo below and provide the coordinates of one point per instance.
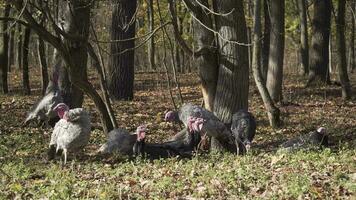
(312, 139)
(43, 110)
(71, 132)
(121, 141)
(243, 127)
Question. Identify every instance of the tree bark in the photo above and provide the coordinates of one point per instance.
(341, 47)
(11, 49)
(272, 111)
(319, 56)
(233, 80)
(276, 51)
(304, 46)
(25, 69)
(121, 69)
(41, 52)
(207, 62)
(265, 40)
(352, 61)
(4, 51)
(151, 43)
(19, 46)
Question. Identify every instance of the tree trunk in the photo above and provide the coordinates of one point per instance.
(304, 46)
(341, 47)
(4, 51)
(233, 80)
(151, 43)
(121, 69)
(276, 51)
(265, 40)
(77, 22)
(25, 70)
(272, 111)
(207, 62)
(12, 49)
(319, 56)
(19, 46)
(352, 61)
(43, 63)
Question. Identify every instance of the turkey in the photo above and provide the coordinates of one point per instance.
(43, 110)
(316, 138)
(188, 110)
(121, 141)
(243, 127)
(219, 131)
(183, 148)
(71, 132)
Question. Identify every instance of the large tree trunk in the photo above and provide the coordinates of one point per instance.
(151, 43)
(265, 40)
(341, 47)
(207, 62)
(4, 51)
(272, 111)
(41, 52)
(76, 22)
(304, 46)
(319, 57)
(121, 69)
(276, 51)
(233, 80)
(25, 69)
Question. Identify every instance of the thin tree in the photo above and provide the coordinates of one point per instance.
(276, 50)
(19, 46)
(25, 63)
(266, 39)
(151, 43)
(121, 68)
(341, 47)
(304, 46)
(4, 51)
(272, 111)
(351, 60)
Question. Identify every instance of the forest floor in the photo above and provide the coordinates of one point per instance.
(265, 173)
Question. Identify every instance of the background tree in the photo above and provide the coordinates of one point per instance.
(25, 57)
(4, 51)
(272, 111)
(304, 46)
(121, 68)
(265, 40)
(319, 56)
(276, 50)
(341, 49)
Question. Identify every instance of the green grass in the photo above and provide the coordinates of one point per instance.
(330, 173)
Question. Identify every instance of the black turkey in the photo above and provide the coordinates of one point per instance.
(42, 111)
(219, 131)
(243, 127)
(183, 147)
(317, 138)
(182, 115)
